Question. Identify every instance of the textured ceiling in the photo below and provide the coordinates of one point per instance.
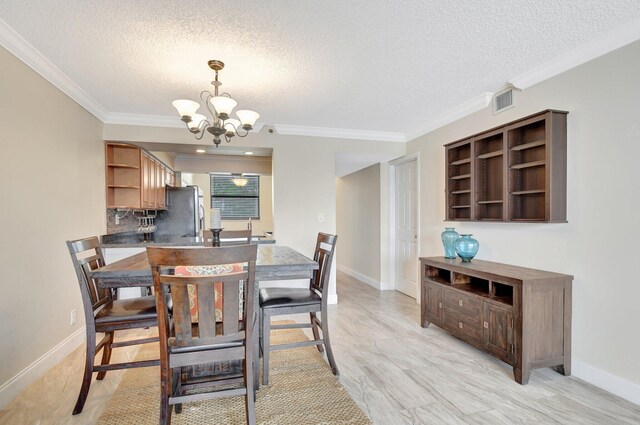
(375, 65)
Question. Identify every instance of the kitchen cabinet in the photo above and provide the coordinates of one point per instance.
(521, 316)
(135, 178)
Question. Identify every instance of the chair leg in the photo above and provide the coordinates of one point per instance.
(165, 392)
(260, 324)
(314, 327)
(176, 386)
(250, 386)
(266, 345)
(106, 355)
(327, 344)
(88, 371)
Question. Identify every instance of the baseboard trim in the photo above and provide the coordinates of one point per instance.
(614, 384)
(380, 286)
(14, 386)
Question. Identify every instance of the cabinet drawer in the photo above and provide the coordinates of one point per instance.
(462, 304)
(468, 328)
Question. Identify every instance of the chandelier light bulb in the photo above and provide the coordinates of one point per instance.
(231, 126)
(186, 108)
(223, 105)
(247, 117)
(196, 120)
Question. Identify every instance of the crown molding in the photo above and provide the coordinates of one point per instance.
(155, 121)
(23, 50)
(144, 120)
(470, 106)
(625, 34)
(338, 133)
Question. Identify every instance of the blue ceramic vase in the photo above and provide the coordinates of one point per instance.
(466, 247)
(449, 238)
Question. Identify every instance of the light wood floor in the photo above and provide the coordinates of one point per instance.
(398, 372)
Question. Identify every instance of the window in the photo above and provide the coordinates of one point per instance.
(236, 202)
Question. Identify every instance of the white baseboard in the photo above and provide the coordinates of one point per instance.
(10, 389)
(381, 286)
(614, 384)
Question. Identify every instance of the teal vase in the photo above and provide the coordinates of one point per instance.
(449, 238)
(466, 247)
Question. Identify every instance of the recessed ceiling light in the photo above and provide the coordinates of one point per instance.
(200, 150)
(248, 153)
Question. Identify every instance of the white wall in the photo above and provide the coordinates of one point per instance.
(52, 190)
(358, 224)
(599, 243)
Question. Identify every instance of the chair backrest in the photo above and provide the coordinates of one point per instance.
(231, 267)
(86, 256)
(323, 255)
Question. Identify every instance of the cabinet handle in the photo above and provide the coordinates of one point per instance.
(460, 303)
(486, 324)
(460, 325)
(439, 305)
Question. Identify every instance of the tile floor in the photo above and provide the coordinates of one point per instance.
(398, 372)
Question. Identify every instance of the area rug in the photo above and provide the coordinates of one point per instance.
(301, 390)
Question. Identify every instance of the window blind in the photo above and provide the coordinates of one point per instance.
(236, 202)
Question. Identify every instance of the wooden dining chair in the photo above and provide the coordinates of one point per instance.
(188, 341)
(105, 314)
(279, 301)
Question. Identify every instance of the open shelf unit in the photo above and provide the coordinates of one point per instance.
(459, 187)
(489, 182)
(515, 172)
(123, 176)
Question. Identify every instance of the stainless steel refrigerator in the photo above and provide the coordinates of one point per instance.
(184, 215)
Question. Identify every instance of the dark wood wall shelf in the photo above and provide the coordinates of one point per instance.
(521, 316)
(515, 172)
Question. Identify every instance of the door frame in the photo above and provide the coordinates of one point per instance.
(392, 216)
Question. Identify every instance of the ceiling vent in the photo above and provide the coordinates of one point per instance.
(506, 99)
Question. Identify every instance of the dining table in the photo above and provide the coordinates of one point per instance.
(274, 262)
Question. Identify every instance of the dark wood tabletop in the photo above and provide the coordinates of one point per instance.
(274, 262)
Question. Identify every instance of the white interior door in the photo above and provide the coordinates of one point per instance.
(406, 228)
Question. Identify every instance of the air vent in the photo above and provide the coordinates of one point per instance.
(504, 100)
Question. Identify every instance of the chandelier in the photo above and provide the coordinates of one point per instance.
(219, 107)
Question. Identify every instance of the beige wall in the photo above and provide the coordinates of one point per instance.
(52, 190)
(166, 158)
(599, 243)
(358, 223)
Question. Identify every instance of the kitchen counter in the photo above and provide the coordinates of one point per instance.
(133, 240)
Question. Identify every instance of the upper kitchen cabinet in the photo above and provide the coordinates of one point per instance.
(516, 172)
(135, 179)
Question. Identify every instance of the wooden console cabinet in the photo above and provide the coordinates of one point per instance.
(521, 316)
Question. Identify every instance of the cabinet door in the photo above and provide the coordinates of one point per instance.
(497, 335)
(433, 302)
(162, 191)
(146, 182)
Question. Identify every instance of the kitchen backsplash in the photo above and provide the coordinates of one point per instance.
(128, 221)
